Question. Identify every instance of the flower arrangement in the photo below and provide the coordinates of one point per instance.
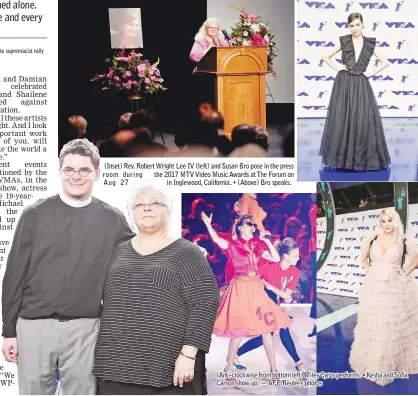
(249, 30)
(130, 73)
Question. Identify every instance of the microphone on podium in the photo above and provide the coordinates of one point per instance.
(226, 35)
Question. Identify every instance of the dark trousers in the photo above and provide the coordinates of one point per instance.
(198, 385)
(285, 337)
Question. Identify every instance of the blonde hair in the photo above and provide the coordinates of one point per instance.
(201, 34)
(78, 122)
(398, 233)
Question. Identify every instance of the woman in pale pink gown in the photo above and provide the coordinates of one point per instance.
(386, 335)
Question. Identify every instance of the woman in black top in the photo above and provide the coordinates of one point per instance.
(160, 305)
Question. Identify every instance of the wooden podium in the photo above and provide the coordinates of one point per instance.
(240, 83)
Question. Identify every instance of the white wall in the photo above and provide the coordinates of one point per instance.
(280, 16)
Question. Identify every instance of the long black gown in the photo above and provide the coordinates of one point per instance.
(353, 134)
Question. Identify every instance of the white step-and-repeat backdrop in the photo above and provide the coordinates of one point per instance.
(394, 23)
(342, 273)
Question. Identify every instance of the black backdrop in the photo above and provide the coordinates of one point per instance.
(168, 29)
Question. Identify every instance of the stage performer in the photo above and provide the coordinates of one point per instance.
(54, 279)
(245, 309)
(159, 307)
(281, 278)
(386, 334)
(353, 135)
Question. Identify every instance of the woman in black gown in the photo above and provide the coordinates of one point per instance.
(353, 134)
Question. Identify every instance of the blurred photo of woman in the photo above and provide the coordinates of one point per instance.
(125, 24)
(386, 335)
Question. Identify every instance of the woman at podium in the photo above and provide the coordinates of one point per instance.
(208, 36)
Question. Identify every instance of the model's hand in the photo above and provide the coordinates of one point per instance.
(184, 370)
(342, 68)
(262, 234)
(206, 219)
(10, 349)
(400, 271)
(366, 74)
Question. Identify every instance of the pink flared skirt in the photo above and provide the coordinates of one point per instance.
(246, 310)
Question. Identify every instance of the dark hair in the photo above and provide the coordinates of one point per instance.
(286, 246)
(236, 233)
(243, 134)
(355, 15)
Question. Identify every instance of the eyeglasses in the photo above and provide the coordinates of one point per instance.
(152, 205)
(250, 224)
(84, 172)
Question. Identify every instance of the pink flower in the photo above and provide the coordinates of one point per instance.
(153, 78)
(110, 74)
(245, 15)
(128, 85)
(147, 81)
(245, 33)
(122, 59)
(127, 74)
(116, 78)
(258, 40)
(141, 70)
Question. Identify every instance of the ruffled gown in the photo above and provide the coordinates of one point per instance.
(386, 335)
(353, 135)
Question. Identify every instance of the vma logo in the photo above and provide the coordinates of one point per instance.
(353, 266)
(351, 238)
(343, 230)
(403, 61)
(363, 228)
(319, 4)
(373, 216)
(388, 107)
(336, 273)
(320, 78)
(405, 93)
(303, 25)
(352, 218)
(346, 290)
(303, 62)
(381, 78)
(342, 25)
(358, 274)
(339, 248)
(400, 25)
(320, 43)
(346, 257)
(323, 287)
(342, 281)
(414, 222)
(373, 6)
(332, 265)
(382, 44)
(304, 94)
(316, 108)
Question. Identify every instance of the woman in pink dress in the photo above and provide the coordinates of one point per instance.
(386, 335)
(208, 36)
(245, 309)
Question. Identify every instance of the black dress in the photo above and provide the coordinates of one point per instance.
(353, 134)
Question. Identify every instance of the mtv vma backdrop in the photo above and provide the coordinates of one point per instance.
(394, 24)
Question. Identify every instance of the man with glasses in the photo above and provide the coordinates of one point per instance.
(54, 279)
